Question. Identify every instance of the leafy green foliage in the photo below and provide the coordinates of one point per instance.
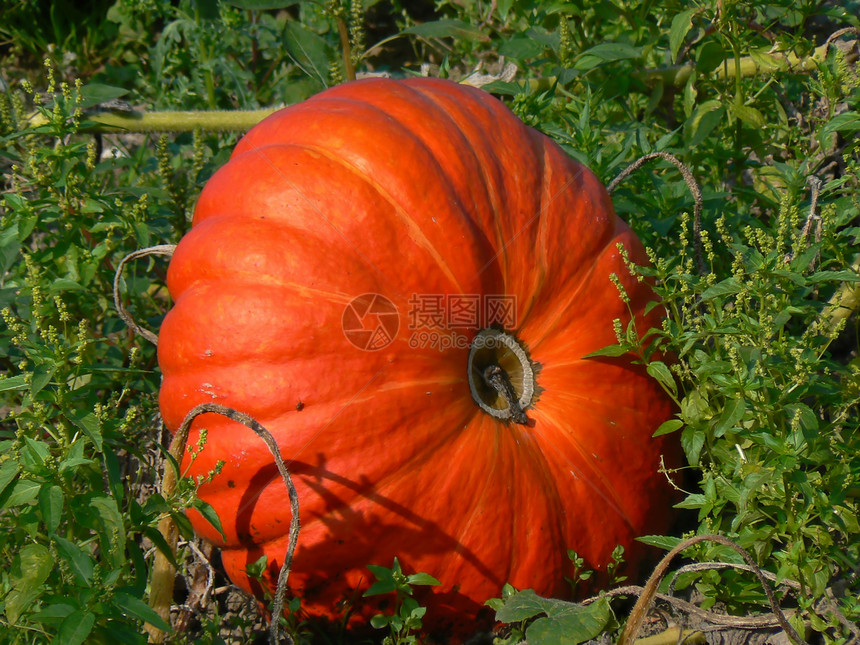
(407, 614)
(77, 446)
(764, 373)
(555, 621)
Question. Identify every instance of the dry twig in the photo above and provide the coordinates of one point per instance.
(649, 592)
(163, 571)
(161, 249)
(691, 184)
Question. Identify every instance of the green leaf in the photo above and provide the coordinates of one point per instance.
(668, 427)
(113, 535)
(688, 99)
(64, 284)
(710, 366)
(31, 566)
(415, 613)
(844, 275)
(18, 602)
(307, 49)
(183, 523)
(261, 5)
(766, 61)
(8, 471)
(42, 375)
(732, 413)
(75, 457)
(422, 579)
(709, 55)
(156, 504)
(522, 605)
(90, 425)
(660, 371)
(34, 455)
(75, 628)
(666, 542)
(845, 122)
(379, 621)
(503, 7)
(10, 248)
(17, 382)
(609, 350)
(521, 48)
(702, 121)
(692, 441)
(694, 500)
(94, 93)
(808, 419)
(209, 513)
(380, 587)
(681, 25)
(748, 115)
(55, 611)
(503, 88)
(572, 625)
(136, 608)
(51, 506)
(446, 28)
(256, 568)
(727, 287)
(605, 52)
(21, 492)
(79, 561)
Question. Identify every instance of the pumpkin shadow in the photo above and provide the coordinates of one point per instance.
(346, 539)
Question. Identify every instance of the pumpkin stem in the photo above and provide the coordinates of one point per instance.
(501, 376)
(498, 379)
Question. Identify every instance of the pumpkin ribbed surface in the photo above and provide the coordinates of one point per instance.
(410, 189)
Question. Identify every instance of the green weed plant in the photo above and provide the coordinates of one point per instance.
(759, 356)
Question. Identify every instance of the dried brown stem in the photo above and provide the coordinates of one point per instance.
(841, 32)
(814, 184)
(161, 249)
(649, 592)
(163, 572)
(710, 566)
(767, 621)
(691, 184)
(197, 600)
(828, 603)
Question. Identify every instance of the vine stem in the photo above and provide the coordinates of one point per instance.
(678, 75)
(691, 184)
(160, 249)
(643, 604)
(163, 571)
(168, 121)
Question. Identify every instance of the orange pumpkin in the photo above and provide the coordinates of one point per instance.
(400, 281)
